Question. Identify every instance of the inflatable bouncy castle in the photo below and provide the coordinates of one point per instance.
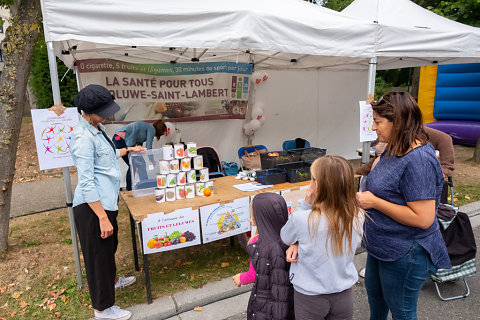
(449, 97)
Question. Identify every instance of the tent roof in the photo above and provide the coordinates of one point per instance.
(150, 31)
(409, 35)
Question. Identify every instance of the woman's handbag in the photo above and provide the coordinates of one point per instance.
(251, 161)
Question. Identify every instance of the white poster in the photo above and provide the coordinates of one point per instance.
(366, 122)
(222, 221)
(53, 137)
(176, 230)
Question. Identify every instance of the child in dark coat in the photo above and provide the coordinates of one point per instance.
(272, 293)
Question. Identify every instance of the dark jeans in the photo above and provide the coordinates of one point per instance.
(139, 166)
(98, 255)
(396, 285)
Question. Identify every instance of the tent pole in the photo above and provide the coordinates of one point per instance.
(372, 70)
(52, 62)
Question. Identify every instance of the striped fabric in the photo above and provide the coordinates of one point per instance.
(466, 269)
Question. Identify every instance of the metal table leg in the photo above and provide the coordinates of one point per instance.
(146, 269)
(134, 243)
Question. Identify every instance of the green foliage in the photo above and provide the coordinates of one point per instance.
(464, 11)
(6, 3)
(40, 78)
(337, 5)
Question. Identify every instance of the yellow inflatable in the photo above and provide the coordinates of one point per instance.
(426, 92)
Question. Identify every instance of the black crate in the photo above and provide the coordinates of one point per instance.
(270, 160)
(271, 176)
(308, 155)
(296, 171)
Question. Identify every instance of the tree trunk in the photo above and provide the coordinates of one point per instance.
(414, 82)
(476, 154)
(18, 44)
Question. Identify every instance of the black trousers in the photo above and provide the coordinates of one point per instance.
(98, 255)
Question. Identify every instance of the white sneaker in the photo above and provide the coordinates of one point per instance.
(124, 282)
(113, 313)
(361, 273)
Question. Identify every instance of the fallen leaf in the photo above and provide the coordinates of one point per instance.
(58, 315)
(5, 305)
(57, 277)
(188, 263)
(17, 294)
(197, 309)
(28, 288)
(64, 298)
(192, 277)
(3, 289)
(89, 306)
(23, 304)
(12, 284)
(467, 197)
(26, 270)
(52, 306)
(13, 314)
(455, 199)
(225, 264)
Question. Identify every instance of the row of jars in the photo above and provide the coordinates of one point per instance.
(181, 178)
(177, 151)
(177, 165)
(187, 191)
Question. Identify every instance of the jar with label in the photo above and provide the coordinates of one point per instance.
(167, 152)
(186, 164)
(161, 181)
(170, 194)
(204, 175)
(181, 178)
(179, 152)
(198, 162)
(159, 195)
(199, 187)
(190, 191)
(180, 192)
(174, 166)
(191, 176)
(191, 149)
(164, 166)
(171, 180)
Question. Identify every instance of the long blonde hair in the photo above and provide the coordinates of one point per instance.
(335, 200)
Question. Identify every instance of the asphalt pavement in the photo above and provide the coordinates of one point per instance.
(223, 300)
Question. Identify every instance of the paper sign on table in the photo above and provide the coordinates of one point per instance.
(366, 122)
(53, 137)
(222, 221)
(293, 197)
(251, 186)
(160, 230)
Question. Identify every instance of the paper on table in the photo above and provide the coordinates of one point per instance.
(252, 186)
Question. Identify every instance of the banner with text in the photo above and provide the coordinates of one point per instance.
(180, 91)
(176, 230)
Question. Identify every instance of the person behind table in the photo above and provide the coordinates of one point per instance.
(272, 293)
(402, 238)
(325, 231)
(95, 200)
(136, 133)
(440, 141)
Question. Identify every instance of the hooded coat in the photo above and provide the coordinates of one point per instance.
(272, 292)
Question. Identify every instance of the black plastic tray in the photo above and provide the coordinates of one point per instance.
(271, 176)
(270, 160)
(296, 171)
(307, 155)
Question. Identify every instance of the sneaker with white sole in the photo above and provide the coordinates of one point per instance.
(124, 282)
(113, 313)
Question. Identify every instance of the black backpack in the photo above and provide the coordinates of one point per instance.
(210, 159)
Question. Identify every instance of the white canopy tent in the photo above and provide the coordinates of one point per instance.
(409, 36)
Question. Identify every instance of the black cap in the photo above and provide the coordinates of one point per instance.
(96, 99)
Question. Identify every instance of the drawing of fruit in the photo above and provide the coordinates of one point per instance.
(173, 182)
(162, 181)
(183, 239)
(181, 193)
(170, 194)
(188, 191)
(193, 176)
(202, 176)
(159, 197)
(151, 243)
(180, 153)
(158, 245)
(182, 180)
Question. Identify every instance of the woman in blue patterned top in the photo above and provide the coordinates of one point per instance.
(402, 236)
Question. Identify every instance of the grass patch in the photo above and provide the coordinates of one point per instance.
(466, 193)
(30, 243)
(39, 276)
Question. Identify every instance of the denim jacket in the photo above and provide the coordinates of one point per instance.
(97, 166)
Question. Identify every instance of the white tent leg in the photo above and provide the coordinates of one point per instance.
(372, 70)
(66, 174)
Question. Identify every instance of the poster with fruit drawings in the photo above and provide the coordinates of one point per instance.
(366, 122)
(53, 136)
(176, 230)
(181, 91)
(222, 221)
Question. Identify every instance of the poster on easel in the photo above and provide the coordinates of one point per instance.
(176, 230)
(292, 198)
(53, 136)
(222, 221)
(366, 122)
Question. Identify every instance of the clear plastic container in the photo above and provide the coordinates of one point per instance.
(144, 167)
